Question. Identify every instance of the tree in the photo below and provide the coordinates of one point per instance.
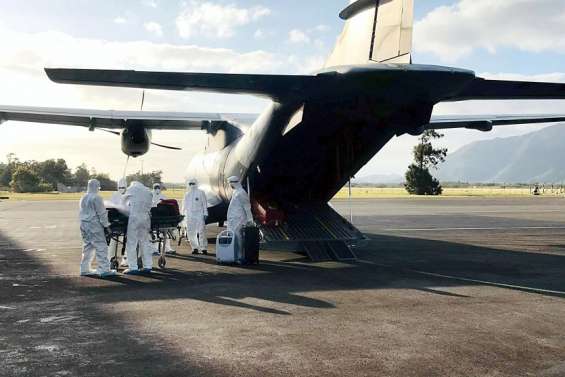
(8, 171)
(53, 172)
(81, 176)
(419, 180)
(3, 167)
(106, 184)
(25, 179)
(148, 179)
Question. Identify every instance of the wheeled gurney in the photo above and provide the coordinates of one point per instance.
(162, 227)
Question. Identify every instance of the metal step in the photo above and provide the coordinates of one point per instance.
(312, 223)
(341, 251)
(317, 251)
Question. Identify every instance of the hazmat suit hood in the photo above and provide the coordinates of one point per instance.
(135, 184)
(93, 187)
(234, 182)
(191, 184)
(122, 185)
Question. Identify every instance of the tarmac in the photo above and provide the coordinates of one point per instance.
(442, 287)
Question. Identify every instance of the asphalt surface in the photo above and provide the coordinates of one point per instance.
(448, 287)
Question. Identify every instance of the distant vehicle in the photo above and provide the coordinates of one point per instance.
(318, 131)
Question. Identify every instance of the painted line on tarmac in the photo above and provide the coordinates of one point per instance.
(484, 282)
(473, 228)
(468, 280)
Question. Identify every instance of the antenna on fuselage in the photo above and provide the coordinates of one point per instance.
(142, 100)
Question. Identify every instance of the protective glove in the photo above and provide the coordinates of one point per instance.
(108, 234)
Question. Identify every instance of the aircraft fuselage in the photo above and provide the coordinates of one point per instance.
(304, 150)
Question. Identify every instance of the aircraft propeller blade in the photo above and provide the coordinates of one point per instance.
(110, 131)
(152, 143)
(166, 146)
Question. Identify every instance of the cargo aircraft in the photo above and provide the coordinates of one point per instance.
(317, 132)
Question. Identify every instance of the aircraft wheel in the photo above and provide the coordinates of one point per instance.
(162, 262)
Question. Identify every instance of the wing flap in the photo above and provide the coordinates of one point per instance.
(487, 122)
(272, 86)
(111, 119)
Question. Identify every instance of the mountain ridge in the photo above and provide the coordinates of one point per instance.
(530, 158)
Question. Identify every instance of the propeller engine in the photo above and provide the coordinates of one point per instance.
(136, 140)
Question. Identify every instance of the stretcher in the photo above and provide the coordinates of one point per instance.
(162, 227)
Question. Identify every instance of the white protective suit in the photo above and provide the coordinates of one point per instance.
(239, 211)
(157, 197)
(139, 199)
(196, 212)
(118, 201)
(93, 220)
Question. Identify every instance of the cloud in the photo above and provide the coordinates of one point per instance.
(259, 34)
(120, 20)
(150, 3)
(154, 28)
(298, 36)
(320, 28)
(216, 20)
(455, 32)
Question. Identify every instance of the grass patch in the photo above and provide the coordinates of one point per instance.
(357, 193)
(398, 192)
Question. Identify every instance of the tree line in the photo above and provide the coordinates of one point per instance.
(44, 176)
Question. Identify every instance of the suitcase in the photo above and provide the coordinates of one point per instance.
(250, 252)
(225, 247)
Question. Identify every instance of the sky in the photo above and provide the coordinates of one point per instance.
(506, 39)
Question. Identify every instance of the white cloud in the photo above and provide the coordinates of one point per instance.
(259, 34)
(298, 36)
(150, 3)
(456, 31)
(154, 28)
(120, 20)
(320, 28)
(216, 20)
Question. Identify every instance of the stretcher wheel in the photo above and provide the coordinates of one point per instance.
(162, 262)
(114, 264)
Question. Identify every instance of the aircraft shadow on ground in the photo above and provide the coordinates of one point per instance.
(73, 335)
(386, 262)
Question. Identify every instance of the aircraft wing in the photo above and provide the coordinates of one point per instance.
(487, 122)
(111, 119)
(271, 86)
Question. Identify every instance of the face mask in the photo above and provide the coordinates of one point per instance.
(122, 190)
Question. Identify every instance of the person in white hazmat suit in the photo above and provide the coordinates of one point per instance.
(157, 197)
(93, 228)
(196, 212)
(118, 201)
(239, 212)
(139, 199)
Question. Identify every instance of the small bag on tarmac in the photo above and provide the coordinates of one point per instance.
(251, 238)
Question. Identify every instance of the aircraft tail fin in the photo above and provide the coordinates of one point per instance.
(377, 31)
